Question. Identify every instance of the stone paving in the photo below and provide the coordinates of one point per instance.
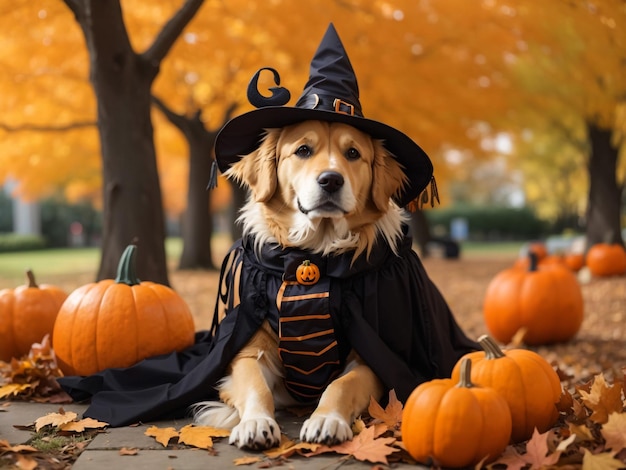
(103, 452)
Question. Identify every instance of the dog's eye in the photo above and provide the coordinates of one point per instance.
(353, 154)
(304, 151)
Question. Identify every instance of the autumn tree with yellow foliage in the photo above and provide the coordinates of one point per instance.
(452, 74)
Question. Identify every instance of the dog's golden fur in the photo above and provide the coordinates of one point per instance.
(327, 188)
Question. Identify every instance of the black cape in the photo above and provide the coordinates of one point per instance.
(385, 306)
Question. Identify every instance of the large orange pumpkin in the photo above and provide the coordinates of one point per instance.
(604, 259)
(525, 380)
(545, 300)
(116, 323)
(27, 314)
(455, 422)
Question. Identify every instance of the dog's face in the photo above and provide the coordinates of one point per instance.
(318, 185)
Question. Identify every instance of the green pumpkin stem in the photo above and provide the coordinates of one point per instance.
(465, 380)
(126, 273)
(306, 262)
(534, 261)
(492, 350)
(30, 276)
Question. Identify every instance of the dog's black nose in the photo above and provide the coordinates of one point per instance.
(330, 181)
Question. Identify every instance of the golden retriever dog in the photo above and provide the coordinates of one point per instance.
(328, 188)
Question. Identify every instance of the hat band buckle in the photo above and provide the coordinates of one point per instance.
(340, 107)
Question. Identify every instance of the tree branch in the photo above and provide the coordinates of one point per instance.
(178, 120)
(171, 31)
(38, 128)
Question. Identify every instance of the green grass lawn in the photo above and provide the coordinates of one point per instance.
(67, 261)
(62, 261)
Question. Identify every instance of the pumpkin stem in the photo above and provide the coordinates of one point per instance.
(534, 261)
(465, 380)
(126, 273)
(31, 279)
(492, 350)
(306, 262)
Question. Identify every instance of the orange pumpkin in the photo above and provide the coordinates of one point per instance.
(27, 314)
(604, 259)
(116, 323)
(307, 273)
(574, 261)
(523, 378)
(455, 422)
(546, 300)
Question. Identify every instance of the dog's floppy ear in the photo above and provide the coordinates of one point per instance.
(388, 177)
(257, 170)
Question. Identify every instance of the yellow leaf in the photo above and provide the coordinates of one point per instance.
(247, 460)
(162, 435)
(54, 419)
(287, 447)
(80, 426)
(14, 389)
(614, 432)
(197, 436)
(602, 461)
(602, 399)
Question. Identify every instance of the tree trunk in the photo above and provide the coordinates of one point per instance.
(197, 228)
(133, 208)
(197, 223)
(122, 81)
(604, 204)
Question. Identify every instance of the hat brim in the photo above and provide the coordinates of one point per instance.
(243, 134)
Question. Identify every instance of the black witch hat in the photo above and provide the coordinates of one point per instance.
(331, 94)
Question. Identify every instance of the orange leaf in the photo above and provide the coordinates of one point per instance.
(197, 436)
(246, 460)
(129, 451)
(364, 447)
(26, 463)
(287, 447)
(603, 399)
(536, 454)
(391, 415)
(162, 435)
(80, 426)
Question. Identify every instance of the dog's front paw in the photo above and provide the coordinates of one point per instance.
(326, 429)
(256, 433)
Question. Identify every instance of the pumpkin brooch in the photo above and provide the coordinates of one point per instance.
(308, 273)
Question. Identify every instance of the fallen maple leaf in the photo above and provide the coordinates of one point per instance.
(603, 399)
(391, 415)
(162, 435)
(365, 447)
(601, 461)
(55, 419)
(81, 425)
(288, 447)
(200, 436)
(246, 460)
(5, 446)
(13, 389)
(582, 432)
(128, 451)
(614, 432)
(536, 454)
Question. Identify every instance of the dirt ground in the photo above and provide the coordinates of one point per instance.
(600, 346)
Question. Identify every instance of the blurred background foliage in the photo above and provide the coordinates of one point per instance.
(505, 96)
